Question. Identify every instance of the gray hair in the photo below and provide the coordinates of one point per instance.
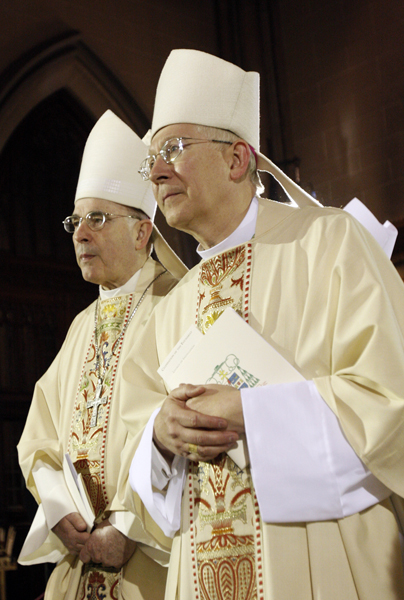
(228, 136)
(136, 212)
(139, 213)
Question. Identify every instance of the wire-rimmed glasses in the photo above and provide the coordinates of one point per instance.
(95, 220)
(170, 151)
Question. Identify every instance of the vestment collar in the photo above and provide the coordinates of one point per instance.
(127, 288)
(242, 234)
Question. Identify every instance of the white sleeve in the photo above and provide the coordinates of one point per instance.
(41, 544)
(56, 499)
(302, 466)
(131, 526)
(158, 485)
(123, 521)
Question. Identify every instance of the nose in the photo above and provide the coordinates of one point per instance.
(82, 233)
(160, 170)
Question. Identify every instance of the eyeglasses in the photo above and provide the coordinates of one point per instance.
(95, 220)
(170, 151)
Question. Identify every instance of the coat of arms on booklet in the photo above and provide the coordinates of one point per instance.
(230, 372)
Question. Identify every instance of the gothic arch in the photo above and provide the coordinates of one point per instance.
(63, 62)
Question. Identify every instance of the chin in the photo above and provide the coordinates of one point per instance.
(176, 221)
(91, 278)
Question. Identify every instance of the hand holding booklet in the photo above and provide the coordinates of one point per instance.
(54, 486)
(78, 490)
(230, 353)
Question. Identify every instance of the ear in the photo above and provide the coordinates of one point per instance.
(240, 159)
(144, 230)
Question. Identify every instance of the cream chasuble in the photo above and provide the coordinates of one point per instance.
(63, 418)
(339, 321)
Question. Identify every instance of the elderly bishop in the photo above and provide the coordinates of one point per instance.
(311, 515)
(75, 408)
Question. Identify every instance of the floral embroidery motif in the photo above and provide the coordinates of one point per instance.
(217, 289)
(99, 585)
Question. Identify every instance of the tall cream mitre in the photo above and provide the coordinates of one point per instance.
(109, 170)
(199, 88)
(109, 166)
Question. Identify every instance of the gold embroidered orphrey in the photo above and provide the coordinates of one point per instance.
(224, 516)
(87, 443)
(221, 284)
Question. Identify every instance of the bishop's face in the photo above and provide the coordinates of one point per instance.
(107, 257)
(191, 192)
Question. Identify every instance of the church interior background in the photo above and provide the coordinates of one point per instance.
(332, 104)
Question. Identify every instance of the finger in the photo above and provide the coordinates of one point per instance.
(92, 550)
(193, 419)
(84, 555)
(210, 438)
(77, 521)
(206, 453)
(81, 538)
(186, 391)
(208, 445)
(78, 548)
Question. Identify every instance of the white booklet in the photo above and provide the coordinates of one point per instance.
(78, 491)
(385, 234)
(230, 353)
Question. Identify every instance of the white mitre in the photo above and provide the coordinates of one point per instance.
(109, 170)
(199, 88)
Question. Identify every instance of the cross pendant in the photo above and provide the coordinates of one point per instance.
(96, 403)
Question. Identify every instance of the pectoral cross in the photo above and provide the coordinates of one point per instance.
(96, 403)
